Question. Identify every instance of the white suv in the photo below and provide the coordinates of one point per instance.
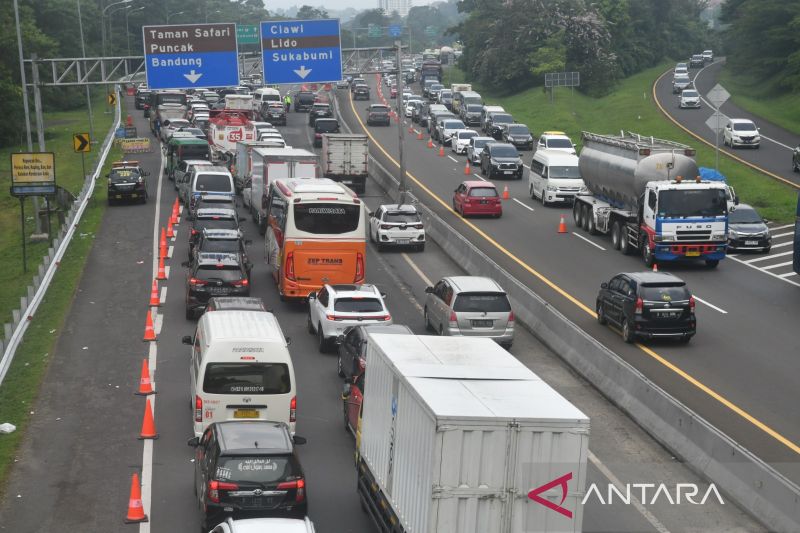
(741, 132)
(461, 140)
(334, 308)
(273, 525)
(398, 225)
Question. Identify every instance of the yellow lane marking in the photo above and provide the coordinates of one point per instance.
(712, 145)
(686, 376)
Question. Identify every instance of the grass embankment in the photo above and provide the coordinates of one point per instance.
(21, 386)
(630, 107)
(763, 98)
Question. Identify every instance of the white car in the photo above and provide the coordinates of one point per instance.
(447, 128)
(708, 56)
(171, 126)
(556, 140)
(681, 69)
(334, 308)
(741, 132)
(689, 98)
(273, 525)
(475, 147)
(461, 140)
(397, 225)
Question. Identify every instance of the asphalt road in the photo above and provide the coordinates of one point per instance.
(73, 470)
(775, 153)
(739, 369)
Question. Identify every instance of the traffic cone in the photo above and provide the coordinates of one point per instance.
(163, 241)
(148, 424)
(170, 230)
(430, 142)
(155, 299)
(135, 507)
(655, 267)
(562, 226)
(129, 121)
(145, 383)
(441, 151)
(176, 219)
(419, 136)
(411, 129)
(149, 332)
(162, 271)
(467, 169)
(162, 251)
(506, 195)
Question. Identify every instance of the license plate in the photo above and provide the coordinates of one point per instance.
(218, 290)
(245, 413)
(134, 195)
(257, 501)
(670, 314)
(118, 196)
(693, 253)
(751, 243)
(508, 172)
(402, 241)
(484, 202)
(482, 323)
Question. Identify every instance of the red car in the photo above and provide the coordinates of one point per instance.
(352, 399)
(393, 92)
(477, 198)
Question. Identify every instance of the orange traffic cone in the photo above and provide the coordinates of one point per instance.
(505, 193)
(149, 332)
(163, 241)
(135, 507)
(170, 230)
(655, 267)
(441, 151)
(467, 169)
(176, 219)
(162, 271)
(155, 299)
(419, 136)
(562, 226)
(148, 424)
(129, 121)
(430, 142)
(145, 383)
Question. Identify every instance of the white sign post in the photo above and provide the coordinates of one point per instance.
(717, 96)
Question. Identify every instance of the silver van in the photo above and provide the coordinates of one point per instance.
(471, 306)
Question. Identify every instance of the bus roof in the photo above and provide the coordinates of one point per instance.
(291, 187)
(187, 140)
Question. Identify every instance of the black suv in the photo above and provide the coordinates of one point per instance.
(353, 347)
(248, 469)
(361, 92)
(319, 111)
(142, 98)
(322, 126)
(519, 135)
(274, 113)
(211, 218)
(647, 304)
(495, 123)
(126, 181)
(697, 61)
(214, 275)
(223, 242)
(501, 159)
(378, 114)
(471, 114)
(303, 101)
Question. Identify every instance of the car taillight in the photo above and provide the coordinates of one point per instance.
(318, 135)
(453, 319)
(194, 232)
(240, 283)
(215, 486)
(639, 306)
(511, 316)
(293, 409)
(289, 270)
(198, 409)
(359, 268)
(197, 282)
(384, 317)
(299, 485)
(417, 226)
(691, 304)
(362, 363)
(385, 226)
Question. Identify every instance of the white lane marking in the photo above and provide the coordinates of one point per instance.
(767, 272)
(787, 274)
(724, 116)
(415, 268)
(169, 252)
(526, 206)
(783, 234)
(787, 243)
(766, 257)
(655, 522)
(712, 306)
(783, 227)
(778, 265)
(479, 176)
(163, 297)
(453, 159)
(166, 271)
(578, 235)
(158, 321)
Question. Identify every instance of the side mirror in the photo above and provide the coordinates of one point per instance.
(194, 442)
(248, 266)
(735, 200)
(297, 439)
(340, 339)
(288, 339)
(428, 290)
(312, 296)
(345, 391)
(187, 339)
(604, 285)
(383, 295)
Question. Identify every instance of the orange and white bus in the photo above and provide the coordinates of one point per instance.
(316, 234)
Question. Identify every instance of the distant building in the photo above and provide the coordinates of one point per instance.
(389, 6)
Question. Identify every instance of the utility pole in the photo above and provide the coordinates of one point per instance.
(22, 78)
(37, 104)
(400, 123)
(88, 91)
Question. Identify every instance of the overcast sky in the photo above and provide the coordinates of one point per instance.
(344, 4)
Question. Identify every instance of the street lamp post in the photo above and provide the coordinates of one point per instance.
(111, 27)
(103, 20)
(174, 15)
(127, 31)
(88, 91)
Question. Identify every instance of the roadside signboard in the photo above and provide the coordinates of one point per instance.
(716, 121)
(81, 142)
(718, 95)
(298, 51)
(134, 146)
(373, 30)
(33, 173)
(247, 33)
(395, 30)
(190, 56)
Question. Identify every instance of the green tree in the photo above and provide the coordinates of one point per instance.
(308, 12)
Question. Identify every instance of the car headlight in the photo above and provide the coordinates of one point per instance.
(733, 234)
(718, 236)
(552, 188)
(519, 162)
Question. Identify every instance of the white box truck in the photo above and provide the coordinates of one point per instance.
(344, 159)
(458, 436)
(277, 163)
(242, 165)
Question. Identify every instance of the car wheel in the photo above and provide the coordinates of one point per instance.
(344, 416)
(530, 192)
(601, 314)
(427, 320)
(647, 253)
(189, 314)
(712, 263)
(421, 247)
(322, 344)
(441, 331)
(624, 246)
(685, 339)
(340, 371)
(576, 214)
(615, 235)
(627, 334)
(310, 325)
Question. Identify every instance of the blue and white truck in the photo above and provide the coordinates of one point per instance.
(648, 195)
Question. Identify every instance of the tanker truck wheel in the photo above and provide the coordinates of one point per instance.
(712, 263)
(586, 214)
(590, 225)
(624, 245)
(616, 236)
(576, 214)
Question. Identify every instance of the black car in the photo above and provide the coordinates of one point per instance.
(211, 218)
(214, 275)
(126, 181)
(361, 92)
(248, 468)
(274, 113)
(747, 231)
(501, 159)
(519, 135)
(495, 123)
(471, 114)
(303, 101)
(235, 303)
(319, 111)
(142, 98)
(647, 305)
(322, 126)
(378, 114)
(355, 82)
(796, 159)
(353, 347)
(224, 242)
(697, 61)
(206, 200)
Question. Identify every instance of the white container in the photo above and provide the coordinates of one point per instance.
(457, 432)
(269, 164)
(344, 158)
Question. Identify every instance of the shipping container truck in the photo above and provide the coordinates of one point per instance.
(648, 195)
(458, 436)
(242, 164)
(344, 159)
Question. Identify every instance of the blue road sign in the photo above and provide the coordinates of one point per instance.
(395, 30)
(190, 56)
(301, 51)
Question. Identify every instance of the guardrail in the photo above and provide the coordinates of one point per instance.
(15, 331)
(754, 485)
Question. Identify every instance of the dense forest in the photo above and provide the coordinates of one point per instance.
(510, 44)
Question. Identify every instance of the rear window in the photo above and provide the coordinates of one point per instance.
(483, 192)
(358, 305)
(664, 293)
(401, 217)
(559, 143)
(326, 219)
(253, 469)
(325, 125)
(490, 302)
(467, 134)
(194, 151)
(210, 223)
(453, 124)
(213, 183)
(247, 378)
(474, 108)
(220, 246)
(213, 273)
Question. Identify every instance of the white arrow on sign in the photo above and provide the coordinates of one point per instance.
(302, 72)
(192, 77)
